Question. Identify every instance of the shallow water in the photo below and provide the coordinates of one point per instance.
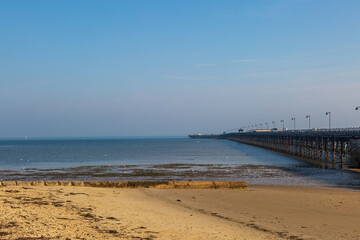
(160, 159)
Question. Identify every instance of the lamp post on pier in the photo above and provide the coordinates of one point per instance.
(274, 124)
(283, 122)
(260, 125)
(329, 113)
(308, 116)
(267, 125)
(293, 119)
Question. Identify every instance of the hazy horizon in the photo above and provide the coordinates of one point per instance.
(172, 68)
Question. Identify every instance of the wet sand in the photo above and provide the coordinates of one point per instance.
(262, 212)
(294, 175)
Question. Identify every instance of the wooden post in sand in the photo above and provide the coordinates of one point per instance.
(354, 153)
(342, 154)
(326, 151)
(333, 152)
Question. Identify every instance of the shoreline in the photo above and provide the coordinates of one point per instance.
(135, 184)
(253, 174)
(261, 212)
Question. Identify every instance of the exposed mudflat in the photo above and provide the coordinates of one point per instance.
(297, 175)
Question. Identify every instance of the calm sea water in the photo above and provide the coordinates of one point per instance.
(160, 159)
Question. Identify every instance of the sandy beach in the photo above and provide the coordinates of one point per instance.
(262, 212)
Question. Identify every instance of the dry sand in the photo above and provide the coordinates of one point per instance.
(262, 212)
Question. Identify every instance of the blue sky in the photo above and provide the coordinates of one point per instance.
(155, 68)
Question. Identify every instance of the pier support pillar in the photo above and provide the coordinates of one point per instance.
(354, 153)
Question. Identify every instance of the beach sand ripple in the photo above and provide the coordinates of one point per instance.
(262, 212)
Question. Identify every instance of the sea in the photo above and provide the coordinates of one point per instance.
(160, 159)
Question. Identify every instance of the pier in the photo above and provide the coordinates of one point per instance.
(203, 136)
(336, 148)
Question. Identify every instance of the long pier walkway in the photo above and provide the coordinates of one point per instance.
(336, 148)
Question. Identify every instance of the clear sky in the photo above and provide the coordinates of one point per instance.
(169, 68)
